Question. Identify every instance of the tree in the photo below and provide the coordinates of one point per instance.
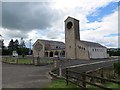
(114, 52)
(2, 44)
(11, 46)
(22, 47)
(22, 43)
(16, 44)
(4, 49)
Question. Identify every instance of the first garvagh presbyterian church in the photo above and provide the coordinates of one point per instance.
(73, 48)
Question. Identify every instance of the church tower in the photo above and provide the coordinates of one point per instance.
(71, 37)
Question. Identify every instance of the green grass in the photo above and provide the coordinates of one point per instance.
(25, 61)
(10, 59)
(112, 85)
(46, 61)
(20, 61)
(108, 85)
(61, 83)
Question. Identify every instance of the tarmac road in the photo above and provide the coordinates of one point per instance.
(25, 76)
(93, 65)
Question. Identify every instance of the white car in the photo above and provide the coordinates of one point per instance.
(14, 54)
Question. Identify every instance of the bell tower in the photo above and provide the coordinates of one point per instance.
(71, 36)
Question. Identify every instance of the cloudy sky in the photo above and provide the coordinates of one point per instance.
(45, 20)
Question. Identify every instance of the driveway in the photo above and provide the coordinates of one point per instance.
(25, 76)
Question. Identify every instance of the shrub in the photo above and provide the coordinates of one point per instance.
(117, 68)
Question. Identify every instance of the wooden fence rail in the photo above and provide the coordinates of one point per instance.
(70, 75)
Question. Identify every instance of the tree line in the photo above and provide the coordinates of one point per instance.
(115, 52)
(20, 48)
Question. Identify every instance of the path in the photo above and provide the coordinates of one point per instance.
(25, 76)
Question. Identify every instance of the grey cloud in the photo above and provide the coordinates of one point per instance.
(15, 34)
(52, 34)
(0, 14)
(27, 15)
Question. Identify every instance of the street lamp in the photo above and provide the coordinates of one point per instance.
(30, 46)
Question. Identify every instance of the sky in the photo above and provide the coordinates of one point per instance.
(45, 20)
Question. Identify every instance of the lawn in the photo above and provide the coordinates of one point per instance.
(20, 61)
(43, 61)
(25, 60)
(61, 83)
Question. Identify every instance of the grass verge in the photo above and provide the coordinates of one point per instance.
(25, 60)
(61, 83)
(112, 85)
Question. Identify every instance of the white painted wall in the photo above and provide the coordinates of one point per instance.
(97, 52)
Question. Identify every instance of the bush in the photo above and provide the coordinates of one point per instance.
(117, 68)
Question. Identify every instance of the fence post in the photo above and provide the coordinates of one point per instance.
(102, 81)
(83, 80)
(6, 59)
(60, 68)
(66, 76)
(17, 60)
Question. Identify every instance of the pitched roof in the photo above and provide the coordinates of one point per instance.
(72, 18)
(92, 44)
(57, 43)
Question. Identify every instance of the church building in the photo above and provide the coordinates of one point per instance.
(48, 48)
(74, 48)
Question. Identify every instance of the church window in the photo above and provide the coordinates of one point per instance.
(56, 52)
(51, 54)
(80, 47)
(46, 54)
(62, 53)
(84, 48)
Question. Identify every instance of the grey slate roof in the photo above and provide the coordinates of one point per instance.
(52, 42)
(92, 44)
(58, 43)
